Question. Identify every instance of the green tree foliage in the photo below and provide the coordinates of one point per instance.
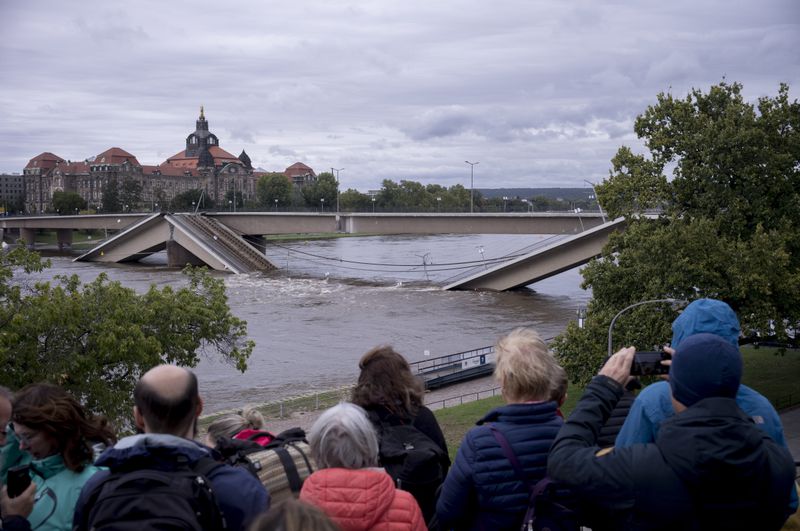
(130, 194)
(97, 339)
(188, 200)
(354, 201)
(68, 202)
(729, 225)
(273, 186)
(323, 188)
(111, 201)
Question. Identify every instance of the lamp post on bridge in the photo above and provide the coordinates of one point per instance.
(322, 204)
(337, 170)
(471, 184)
(438, 204)
(603, 216)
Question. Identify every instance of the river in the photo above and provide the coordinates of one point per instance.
(313, 321)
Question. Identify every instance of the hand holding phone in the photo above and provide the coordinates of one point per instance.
(18, 479)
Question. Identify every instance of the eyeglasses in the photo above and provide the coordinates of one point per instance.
(24, 438)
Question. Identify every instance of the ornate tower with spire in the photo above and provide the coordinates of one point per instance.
(201, 140)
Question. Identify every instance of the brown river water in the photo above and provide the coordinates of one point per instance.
(340, 297)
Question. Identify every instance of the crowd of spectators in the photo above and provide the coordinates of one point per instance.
(698, 450)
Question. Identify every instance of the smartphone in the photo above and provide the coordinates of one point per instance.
(18, 479)
(649, 363)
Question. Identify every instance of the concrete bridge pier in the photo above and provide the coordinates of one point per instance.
(178, 256)
(28, 236)
(64, 237)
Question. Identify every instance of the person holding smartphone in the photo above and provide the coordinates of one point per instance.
(51, 426)
(15, 510)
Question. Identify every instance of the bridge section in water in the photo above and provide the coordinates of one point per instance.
(222, 241)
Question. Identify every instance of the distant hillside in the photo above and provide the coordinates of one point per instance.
(567, 194)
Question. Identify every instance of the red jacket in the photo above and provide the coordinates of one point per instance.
(361, 500)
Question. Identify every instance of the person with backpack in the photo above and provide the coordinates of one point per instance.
(245, 425)
(51, 428)
(163, 475)
(349, 486)
(505, 455)
(413, 449)
(710, 466)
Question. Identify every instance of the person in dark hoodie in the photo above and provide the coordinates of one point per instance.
(653, 405)
(710, 466)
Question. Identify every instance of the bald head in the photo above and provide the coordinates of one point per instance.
(167, 401)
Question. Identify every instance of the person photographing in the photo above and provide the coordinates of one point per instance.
(710, 467)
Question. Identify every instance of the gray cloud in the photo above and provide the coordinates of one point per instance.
(542, 93)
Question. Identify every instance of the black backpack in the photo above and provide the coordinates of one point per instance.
(415, 462)
(137, 498)
(550, 507)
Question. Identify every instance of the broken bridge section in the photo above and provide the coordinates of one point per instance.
(188, 239)
(542, 262)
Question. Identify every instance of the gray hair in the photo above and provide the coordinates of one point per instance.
(343, 437)
(229, 425)
(525, 368)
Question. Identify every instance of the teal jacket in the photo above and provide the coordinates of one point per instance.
(57, 487)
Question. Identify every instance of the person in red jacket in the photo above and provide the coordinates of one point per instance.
(348, 485)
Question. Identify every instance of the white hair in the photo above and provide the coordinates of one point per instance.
(343, 437)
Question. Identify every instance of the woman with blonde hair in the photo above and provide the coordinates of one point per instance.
(246, 425)
(484, 474)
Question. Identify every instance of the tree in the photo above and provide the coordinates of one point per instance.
(323, 188)
(354, 201)
(729, 226)
(110, 192)
(130, 194)
(68, 202)
(189, 200)
(97, 339)
(273, 186)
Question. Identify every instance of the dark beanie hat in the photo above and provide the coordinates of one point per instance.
(705, 365)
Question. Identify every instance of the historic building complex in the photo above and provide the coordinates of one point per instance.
(202, 165)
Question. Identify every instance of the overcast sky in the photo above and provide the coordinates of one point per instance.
(540, 92)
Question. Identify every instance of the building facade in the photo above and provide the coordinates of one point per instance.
(202, 165)
(12, 193)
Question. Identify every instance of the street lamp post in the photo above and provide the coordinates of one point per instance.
(337, 170)
(322, 203)
(230, 205)
(634, 305)
(483, 257)
(603, 216)
(373, 205)
(276, 205)
(438, 204)
(471, 184)
(505, 203)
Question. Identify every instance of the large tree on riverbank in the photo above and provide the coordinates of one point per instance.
(96, 339)
(729, 226)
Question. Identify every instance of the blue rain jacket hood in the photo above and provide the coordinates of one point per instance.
(706, 316)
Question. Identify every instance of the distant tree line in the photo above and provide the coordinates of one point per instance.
(275, 192)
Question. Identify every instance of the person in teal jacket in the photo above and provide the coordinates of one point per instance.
(50, 425)
(653, 405)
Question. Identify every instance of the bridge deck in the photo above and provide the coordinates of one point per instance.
(542, 262)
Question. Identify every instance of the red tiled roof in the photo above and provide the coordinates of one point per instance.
(44, 160)
(115, 155)
(298, 168)
(72, 168)
(220, 156)
(168, 170)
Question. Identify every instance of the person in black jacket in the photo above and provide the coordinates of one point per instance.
(391, 394)
(709, 468)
